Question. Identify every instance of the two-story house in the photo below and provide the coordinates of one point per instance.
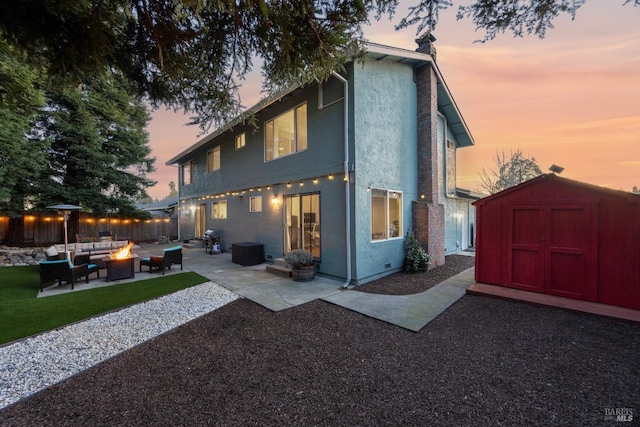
(343, 168)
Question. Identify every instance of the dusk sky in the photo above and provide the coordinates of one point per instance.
(572, 98)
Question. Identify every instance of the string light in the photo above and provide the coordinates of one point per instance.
(241, 192)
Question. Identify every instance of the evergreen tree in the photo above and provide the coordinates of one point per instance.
(20, 100)
(98, 155)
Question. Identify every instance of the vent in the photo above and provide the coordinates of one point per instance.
(387, 265)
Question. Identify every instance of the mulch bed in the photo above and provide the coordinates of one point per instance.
(484, 361)
(404, 283)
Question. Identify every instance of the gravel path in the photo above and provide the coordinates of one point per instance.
(35, 363)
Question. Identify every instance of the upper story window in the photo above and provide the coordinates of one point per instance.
(213, 159)
(286, 134)
(240, 141)
(450, 179)
(187, 172)
(386, 214)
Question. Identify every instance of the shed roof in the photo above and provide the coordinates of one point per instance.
(374, 51)
(551, 177)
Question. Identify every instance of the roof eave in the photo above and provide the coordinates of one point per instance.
(376, 52)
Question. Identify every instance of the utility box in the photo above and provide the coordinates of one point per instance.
(247, 253)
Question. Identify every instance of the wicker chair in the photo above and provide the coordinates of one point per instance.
(64, 271)
(170, 257)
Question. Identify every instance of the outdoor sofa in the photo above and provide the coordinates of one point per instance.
(95, 250)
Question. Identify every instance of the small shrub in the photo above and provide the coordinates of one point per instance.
(416, 257)
(298, 258)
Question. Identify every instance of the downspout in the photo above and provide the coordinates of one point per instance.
(179, 207)
(347, 191)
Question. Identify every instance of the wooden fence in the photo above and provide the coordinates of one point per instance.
(45, 229)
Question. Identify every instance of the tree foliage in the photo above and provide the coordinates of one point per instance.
(20, 98)
(508, 172)
(191, 54)
(97, 152)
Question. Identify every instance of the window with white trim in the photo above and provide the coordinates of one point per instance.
(187, 172)
(240, 141)
(219, 209)
(386, 214)
(213, 159)
(286, 134)
(450, 179)
(255, 204)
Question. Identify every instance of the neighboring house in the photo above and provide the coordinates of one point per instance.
(162, 207)
(343, 169)
(164, 216)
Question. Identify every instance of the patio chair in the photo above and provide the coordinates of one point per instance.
(169, 257)
(64, 271)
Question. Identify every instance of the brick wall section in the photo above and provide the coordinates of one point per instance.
(428, 213)
(427, 155)
(428, 226)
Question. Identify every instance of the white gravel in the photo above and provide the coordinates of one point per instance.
(38, 362)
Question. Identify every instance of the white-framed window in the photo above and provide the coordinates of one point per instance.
(240, 141)
(255, 204)
(286, 134)
(386, 214)
(450, 179)
(219, 209)
(213, 159)
(187, 172)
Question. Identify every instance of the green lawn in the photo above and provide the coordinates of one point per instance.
(23, 314)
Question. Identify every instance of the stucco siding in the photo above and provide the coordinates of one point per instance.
(385, 158)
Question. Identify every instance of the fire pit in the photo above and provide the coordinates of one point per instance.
(121, 264)
(120, 268)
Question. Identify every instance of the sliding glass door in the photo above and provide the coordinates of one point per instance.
(302, 223)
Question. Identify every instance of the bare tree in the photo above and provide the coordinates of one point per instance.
(508, 172)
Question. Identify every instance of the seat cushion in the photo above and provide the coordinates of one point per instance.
(51, 251)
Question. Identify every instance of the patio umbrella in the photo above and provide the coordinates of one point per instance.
(65, 211)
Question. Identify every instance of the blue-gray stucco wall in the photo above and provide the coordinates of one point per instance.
(385, 157)
(245, 169)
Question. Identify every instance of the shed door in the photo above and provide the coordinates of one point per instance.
(526, 252)
(571, 256)
(552, 249)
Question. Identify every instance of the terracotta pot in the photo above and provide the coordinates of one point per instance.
(305, 273)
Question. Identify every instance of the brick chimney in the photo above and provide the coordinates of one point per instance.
(428, 212)
(425, 45)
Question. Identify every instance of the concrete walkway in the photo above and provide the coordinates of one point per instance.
(277, 293)
(411, 312)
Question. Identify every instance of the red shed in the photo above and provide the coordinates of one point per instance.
(561, 237)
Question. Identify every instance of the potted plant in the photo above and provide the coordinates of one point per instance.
(303, 267)
(416, 258)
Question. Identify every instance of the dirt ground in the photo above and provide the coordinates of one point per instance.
(484, 361)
